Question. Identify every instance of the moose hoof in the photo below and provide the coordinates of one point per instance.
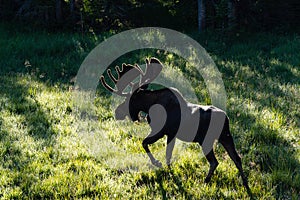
(207, 179)
(157, 163)
(169, 164)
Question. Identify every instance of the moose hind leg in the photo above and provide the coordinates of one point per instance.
(227, 141)
(169, 150)
(150, 139)
(213, 165)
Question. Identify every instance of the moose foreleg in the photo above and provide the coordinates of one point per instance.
(169, 151)
(150, 139)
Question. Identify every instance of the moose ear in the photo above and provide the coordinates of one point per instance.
(153, 68)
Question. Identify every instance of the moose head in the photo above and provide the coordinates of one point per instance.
(124, 79)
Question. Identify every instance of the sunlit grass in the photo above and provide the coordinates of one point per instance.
(52, 148)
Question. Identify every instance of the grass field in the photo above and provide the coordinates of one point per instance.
(49, 150)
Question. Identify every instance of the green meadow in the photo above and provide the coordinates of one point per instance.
(51, 149)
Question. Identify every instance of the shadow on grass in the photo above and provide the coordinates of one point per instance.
(22, 102)
(26, 118)
(163, 177)
(268, 151)
(267, 147)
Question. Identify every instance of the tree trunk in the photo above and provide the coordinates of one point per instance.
(72, 10)
(24, 8)
(231, 14)
(201, 15)
(58, 10)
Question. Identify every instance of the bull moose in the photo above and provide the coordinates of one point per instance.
(168, 113)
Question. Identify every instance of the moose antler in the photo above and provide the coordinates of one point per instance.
(129, 73)
(153, 68)
(124, 77)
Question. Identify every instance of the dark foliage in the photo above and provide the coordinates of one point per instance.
(103, 15)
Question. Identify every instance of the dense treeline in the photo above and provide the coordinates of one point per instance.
(178, 14)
